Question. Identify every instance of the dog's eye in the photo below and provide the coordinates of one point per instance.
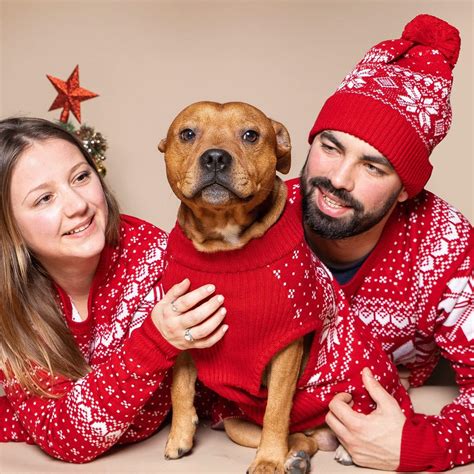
(250, 136)
(187, 134)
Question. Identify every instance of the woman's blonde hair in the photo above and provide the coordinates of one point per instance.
(33, 331)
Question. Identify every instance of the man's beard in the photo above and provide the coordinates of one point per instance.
(333, 228)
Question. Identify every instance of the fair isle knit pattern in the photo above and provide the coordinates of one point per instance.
(416, 95)
(414, 293)
(397, 98)
(125, 397)
(276, 291)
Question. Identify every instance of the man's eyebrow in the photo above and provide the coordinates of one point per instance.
(329, 136)
(378, 160)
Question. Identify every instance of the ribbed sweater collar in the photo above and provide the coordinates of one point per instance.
(280, 239)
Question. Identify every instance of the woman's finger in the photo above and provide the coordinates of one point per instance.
(209, 341)
(175, 291)
(186, 301)
(200, 313)
(207, 327)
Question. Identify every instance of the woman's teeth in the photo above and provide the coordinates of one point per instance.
(79, 229)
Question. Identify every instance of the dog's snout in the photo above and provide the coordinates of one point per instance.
(215, 160)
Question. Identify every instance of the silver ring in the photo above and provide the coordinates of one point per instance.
(188, 336)
(173, 306)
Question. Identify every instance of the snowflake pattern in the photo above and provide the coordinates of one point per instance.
(418, 97)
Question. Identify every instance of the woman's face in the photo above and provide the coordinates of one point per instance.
(58, 204)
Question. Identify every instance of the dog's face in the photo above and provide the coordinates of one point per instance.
(224, 155)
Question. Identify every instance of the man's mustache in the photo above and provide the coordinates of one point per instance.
(344, 196)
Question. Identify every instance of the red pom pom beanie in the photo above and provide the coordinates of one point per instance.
(397, 98)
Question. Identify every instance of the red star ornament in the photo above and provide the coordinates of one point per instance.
(70, 95)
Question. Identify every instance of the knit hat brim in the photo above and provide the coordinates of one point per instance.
(384, 129)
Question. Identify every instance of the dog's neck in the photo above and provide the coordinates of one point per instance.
(230, 230)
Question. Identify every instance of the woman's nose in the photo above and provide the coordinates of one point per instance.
(74, 203)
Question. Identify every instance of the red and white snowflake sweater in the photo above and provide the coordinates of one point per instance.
(275, 292)
(414, 293)
(126, 395)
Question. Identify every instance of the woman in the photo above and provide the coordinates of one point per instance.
(86, 336)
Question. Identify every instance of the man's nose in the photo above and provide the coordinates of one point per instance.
(342, 176)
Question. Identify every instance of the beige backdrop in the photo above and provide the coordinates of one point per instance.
(149, 59)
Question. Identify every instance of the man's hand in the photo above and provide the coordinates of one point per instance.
(372, 440)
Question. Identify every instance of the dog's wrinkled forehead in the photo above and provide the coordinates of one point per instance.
(221, 117)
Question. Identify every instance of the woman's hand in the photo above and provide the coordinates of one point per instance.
(188, 323)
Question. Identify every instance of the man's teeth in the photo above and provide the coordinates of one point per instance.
(79, 229)
(331, 203)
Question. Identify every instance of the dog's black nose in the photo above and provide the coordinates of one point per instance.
(215, 160)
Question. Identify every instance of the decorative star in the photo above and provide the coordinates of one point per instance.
(70, 95)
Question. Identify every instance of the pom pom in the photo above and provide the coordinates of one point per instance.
(430, 31)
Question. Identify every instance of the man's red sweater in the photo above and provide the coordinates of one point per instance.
(414, 295)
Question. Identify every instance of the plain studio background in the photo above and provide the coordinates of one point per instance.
(149, 59)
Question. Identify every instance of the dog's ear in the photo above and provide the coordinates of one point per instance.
(283, 148)
(162, 145)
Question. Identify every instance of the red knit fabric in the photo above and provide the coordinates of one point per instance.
(275, 293)
(125, 397)
(397, 98)
(414, 293)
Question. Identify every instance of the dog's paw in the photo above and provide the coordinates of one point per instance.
(326, 439)
(180, 439)
(298, 462)
(343, 457)
(176, 453)
(266, 467)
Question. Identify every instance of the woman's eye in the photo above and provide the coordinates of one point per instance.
(250, 136)
(44, 199)
(187, 135)
(83, 176)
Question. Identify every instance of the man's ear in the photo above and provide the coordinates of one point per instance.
(162, 145)
(283, 147)
(403, 196)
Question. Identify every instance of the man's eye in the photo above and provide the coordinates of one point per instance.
(374, 170)
(327, 147)
(187, 134)
(250, 136)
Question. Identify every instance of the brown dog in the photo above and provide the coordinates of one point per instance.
(221, 162)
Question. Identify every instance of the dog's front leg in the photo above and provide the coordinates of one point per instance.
(273, 446)
(184, 420)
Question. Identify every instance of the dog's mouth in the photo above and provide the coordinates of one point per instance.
(216, 194)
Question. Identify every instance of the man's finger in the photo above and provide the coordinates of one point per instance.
(338, 427)
(378, 394)
(344, 413)
(344, 397)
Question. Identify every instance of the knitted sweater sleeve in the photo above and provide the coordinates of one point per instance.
(10, 427)
(436, 443)
(93, 413)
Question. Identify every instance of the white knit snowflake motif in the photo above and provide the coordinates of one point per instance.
(376, 55)
(414, 102)
(459, 305)
(356, 79)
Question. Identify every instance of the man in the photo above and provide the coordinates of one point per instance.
(402, 256)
